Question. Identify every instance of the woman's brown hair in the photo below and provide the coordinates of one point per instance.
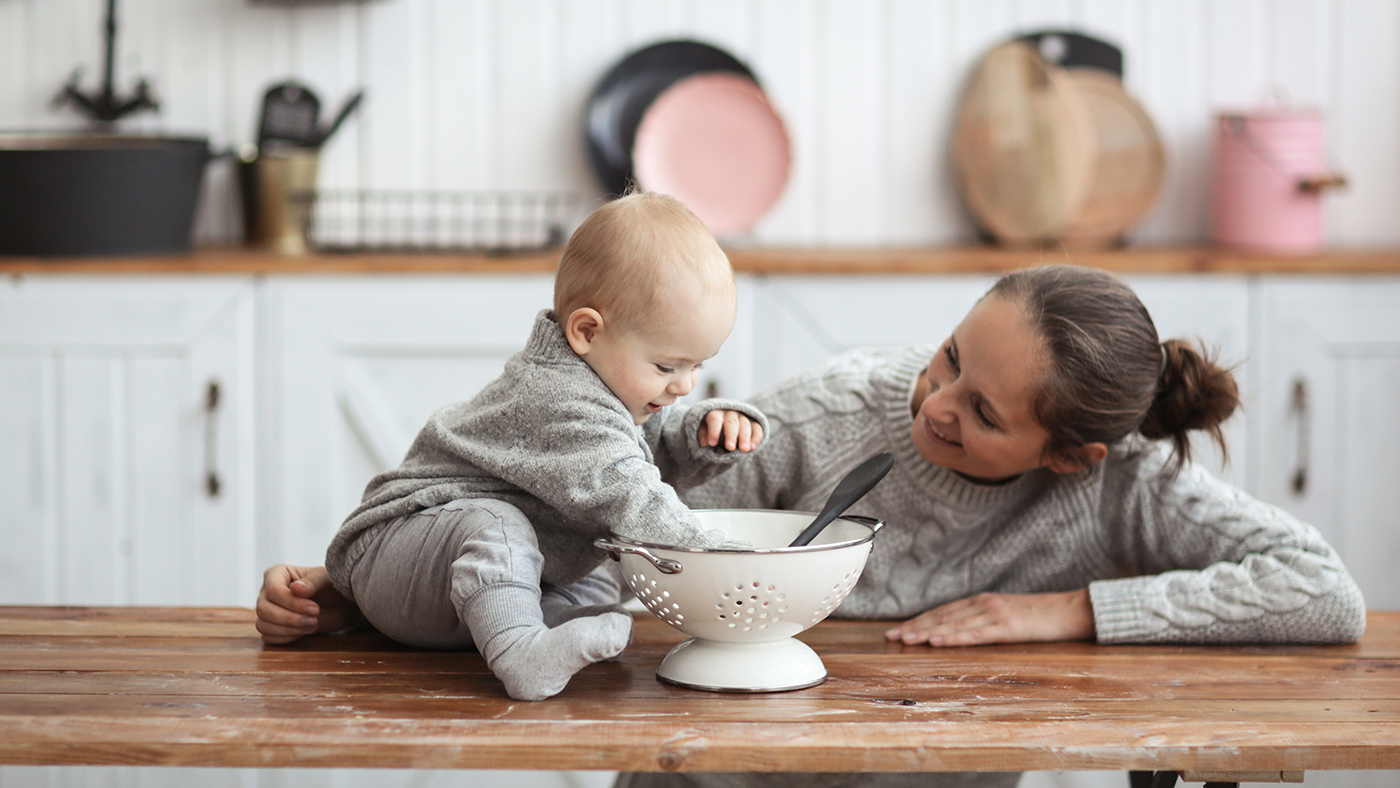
(1109, 376)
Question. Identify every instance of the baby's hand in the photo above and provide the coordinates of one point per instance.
(739, 432)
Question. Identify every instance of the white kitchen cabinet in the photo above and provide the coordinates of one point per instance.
(355, 366)
(1328, 416)
(111, 441)
(800, 321)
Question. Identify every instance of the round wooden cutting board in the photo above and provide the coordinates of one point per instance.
(1129, 163)
(1023, 145)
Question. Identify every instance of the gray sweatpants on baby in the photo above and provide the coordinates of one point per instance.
(420, 573)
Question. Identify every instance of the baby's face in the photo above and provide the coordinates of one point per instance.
(653, 364)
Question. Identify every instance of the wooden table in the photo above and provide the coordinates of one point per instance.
(195, 687)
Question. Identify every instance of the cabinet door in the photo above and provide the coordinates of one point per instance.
(800, 321)
(356, 366)
(1329, 417)
(110, 441)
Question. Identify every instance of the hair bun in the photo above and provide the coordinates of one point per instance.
(1193, 393)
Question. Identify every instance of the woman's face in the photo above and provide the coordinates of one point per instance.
(972, 405)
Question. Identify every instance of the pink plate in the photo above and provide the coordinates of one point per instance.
(714, 142)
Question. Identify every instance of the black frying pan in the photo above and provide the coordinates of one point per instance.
(618, 103)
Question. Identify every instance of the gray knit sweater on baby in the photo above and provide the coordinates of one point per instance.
(549, 438)
(1166, 557)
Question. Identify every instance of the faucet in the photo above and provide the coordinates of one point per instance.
(106, 107)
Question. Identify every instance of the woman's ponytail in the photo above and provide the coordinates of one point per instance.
(1193, 393)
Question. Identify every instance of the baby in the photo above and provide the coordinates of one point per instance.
(483, 536)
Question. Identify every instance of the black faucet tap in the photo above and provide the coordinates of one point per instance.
(106, 107)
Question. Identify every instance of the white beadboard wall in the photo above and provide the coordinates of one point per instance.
(489, 94)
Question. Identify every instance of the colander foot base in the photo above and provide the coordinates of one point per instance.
(714, 666)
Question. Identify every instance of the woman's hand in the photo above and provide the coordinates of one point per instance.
(737, 431)
(299, 600)
(1001, 618)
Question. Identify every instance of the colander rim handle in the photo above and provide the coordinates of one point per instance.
(874, 522)
(667, 566)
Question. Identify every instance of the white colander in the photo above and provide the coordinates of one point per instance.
(743, 607)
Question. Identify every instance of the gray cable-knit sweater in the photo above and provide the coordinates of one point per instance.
(1167, 558)
(549, 438)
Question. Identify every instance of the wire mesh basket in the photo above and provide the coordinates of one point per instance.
(425, 221)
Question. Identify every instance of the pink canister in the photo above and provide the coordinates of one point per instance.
(1269, 175)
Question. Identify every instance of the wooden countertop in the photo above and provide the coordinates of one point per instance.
(195, 687)
(837, 261)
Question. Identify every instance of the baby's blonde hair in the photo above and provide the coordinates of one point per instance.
(627, 253)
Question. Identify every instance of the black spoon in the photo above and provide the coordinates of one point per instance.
(851, 488)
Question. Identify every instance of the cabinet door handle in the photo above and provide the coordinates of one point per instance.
(1303, 413)
(212, 484)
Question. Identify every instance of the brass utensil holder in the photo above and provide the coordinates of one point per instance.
(276, 209)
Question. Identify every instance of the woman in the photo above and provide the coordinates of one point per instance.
(1042, 490)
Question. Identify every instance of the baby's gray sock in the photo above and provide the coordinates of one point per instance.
(532, 660)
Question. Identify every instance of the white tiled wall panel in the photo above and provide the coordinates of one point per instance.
(489, 94)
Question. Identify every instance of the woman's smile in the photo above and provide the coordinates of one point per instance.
(936, 434)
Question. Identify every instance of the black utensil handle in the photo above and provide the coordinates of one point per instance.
(810, 532)
(852, 486)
